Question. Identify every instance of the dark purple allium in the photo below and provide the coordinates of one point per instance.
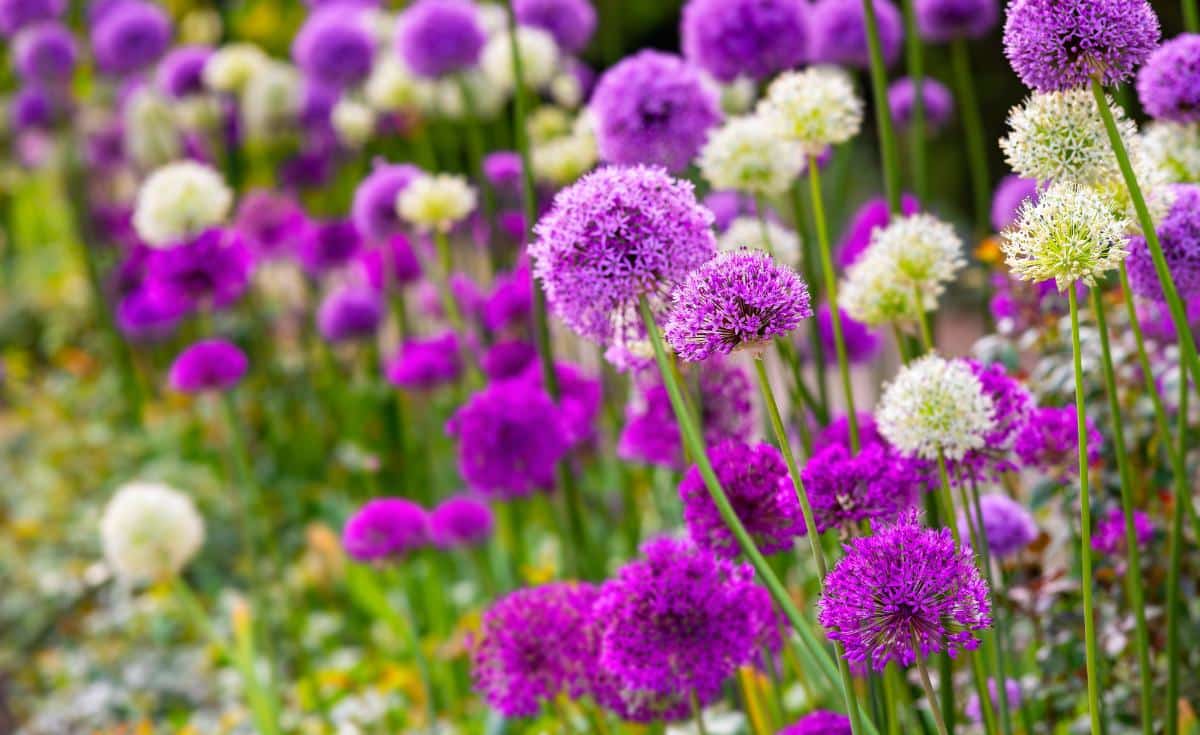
(511, 301)
(939, 103)
(148, 314)
(760, 490)
(460, 521)
(130, 37)
(396, 251)
(208, 365)
(578, 400)
(385, 528)
(440, 37)
(940, 21)
(335, 47)
(329, 244)
(315, 114)
(1049, 441)
(820, 722)
(1011, 193)
(17, 14)
(349, 313)
(374, 208)
(903, 585)
(571, 22)
(212, 270)
(838, 32)
(35, 107)
(727, 206)
(871, 214)
(45, 53)
(741, 299)
(425, 364)
(653, 108)
(510, 435)
(181, 71)
(310, 168)
(873, 485)
(1109, 536)
(1169, 83)
(748, 38)
(862, 344)
(1012, 694)
(104, 146)
(272, 224)
(1008, 526)
(1179, 235)
(508, 359)
(1061, 44)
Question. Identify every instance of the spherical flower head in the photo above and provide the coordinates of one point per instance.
(861, 342)
(838, 32)
(1013, 403)
(846, 489)
(1049, 441)
(179, 200)
(510, 302)
(508, 359)
(211, 270)
(578, 399)
(231, 67)
(738, 300)
(374, 207)
(149, 314)
(1011, 194)
(935, 407)
(1179, 236)
(939, 103)
(1109, 536)
(925, 252)
(17, 14)
(1012, 695)
(181, 72)
(461, 521)
(616, 236)
(335, 46)
(570, 22)
(820, 722)
(744, 38)
(940, 21)
(206, 366)
(816, 107)
(349, 313)
(539, 58)
(329, 244)
(1007, 526)
(653, 108)
(130, 37)
(435, 202)
(1169, 84)
(45, 53)
(751, 154)
(1174, 149)
(769, 237)
(150, 531)
(440, 37)
(510, 436)
(1070, 234)
(272, 224)
(1060, 136)
(385, 528)
(425, 364)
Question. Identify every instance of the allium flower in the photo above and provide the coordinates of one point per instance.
(862, 344)
(396, 253)
(773, 238)
(817, 107)
(179, 200)
(1060, 136)
(130, 37)
(440, 37)
(150, 531)
(904, 592)
(751, 154)
(935, 407)
(1179, 235)
(535, 644)
(511, 300)
(845, 490)
(329, 244)
(150, 313)
(1070, 234)
(838, 32)
(1050, 441)
(1169, 84)
(374, 208)
(578, 399)
(758, 486)
(1061, 44)
(728, 206)
(353, 121)
(1013, 403)
(385, 528)
(570, 22)
(940, 21)
(436, 202)
(870, 216)
(1008, 526)
(460, 521)
(1174, 149)
(208, 365)
(539, 58)
(276, 98)
(939, 103)
(211, 270)
(1011, 194)
(16, 14)
(838, 432)
(272, 224)
(232, 66)
(1109, 536)
(46, 53)
(744, 38)
(508, 359)
(653, 108)
(424, 364)
(1012, 695)
(510, 435)
(335, 46)
(349, 313)
(180, 74)
(819, 722)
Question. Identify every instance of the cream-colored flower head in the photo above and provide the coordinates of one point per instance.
(179, 200)
(150, 531)
(151, 134)
(935, 407)
(391, 87)
(539, 58)
(353, 121)
(271, 100)
(870, 293)
(1153, 180)
(817, 107)
(562, 160)
(748, 232)
(751, 154)
(230, 67)
(737, 96)
(436, 202)
(1060, 136)
(1174, 148)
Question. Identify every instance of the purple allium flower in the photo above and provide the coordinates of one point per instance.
(653, 108)
(508, 359)
(398, 253)
(760, 490)
(16, 14)
(940, 21)
(1012, 404)
(272, 224)
(334, 46)
(349, 313)
(750, 38)
(35, 107)
(1008, 526)
(502, 169)
(873, 485)
(130, 37)
(425, 364)
(1049, 441)
(838, 32)
(150, 313)
(510, 435)
(1179, 235)
(741, 299)
(862, 344)
(45, 53)
(329, 244)
(571, 22)
(460, 521)
(212, 270)
(181, 71)
(374, 208)
(1169, 84)
(939, 103)
(838, 432)
(465, 291)
(440, 37)
(535, 644)
(820, 722)
(617, 235)
(871, 214)
(1012, 192)
(578, 400)
(1109, 536)
(385, 528)
(903, 585)
(511, 301)
(208, 365)
(1157, 322)
(310, 168)
(727, 206)
(1061, 44)
(1012, 694)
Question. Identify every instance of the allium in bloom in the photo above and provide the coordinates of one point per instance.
(348, 313)
(870, 216)
(385, 528)
(208, 365)
(150, 531)
(180, 74)
(653, 108)
(210, 271)
(744, 38)
(904, 592)
(570, 22)
(1050, 441)
(751, 154)
(374, 208)
(817, 107)
(819, 722)
(231, 67)
(738, 300)
(394, 254)
(272, 224)
(424, 364)
(578, 399)
(838, 32)
(1179, 236)
(940, 21)
(335, 46)
(1174, 149)
(460, 521)
(846, 489)
(539, 58)
(1063, 44)
(16, 14)
(440, 37)
(1060, 136)
(130, 37)
(436, 202)
(1007, 526)
(769, 237)
(45, 53)
(1169, 84)
(328, 245)
(1011, 194)
(179, 200)
(939, 103)
(1109, 536)
(935, 407)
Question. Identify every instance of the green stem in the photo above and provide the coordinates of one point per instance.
(446, 265)
(915, 61)
(698, 714)
(883, 115)
(809, 268)
(927, 685)
(1175, 610)
(960, 60)
(1191, 16)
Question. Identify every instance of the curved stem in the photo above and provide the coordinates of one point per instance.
(929, 693)
(968, 103)
(915, 61)
(809, 268)
(1174, 607)
(883, 115)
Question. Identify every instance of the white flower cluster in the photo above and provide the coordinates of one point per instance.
(179, 200)
(935, 407)
(538, 53)
(391, 87)
(1060, 136)
(563, 150)
(774, 238)
(150, 531)
(436, 202)
(751, 154)
(151, 135)
(816, 107)
(1174, 149)
(270, 100)
(230, 67)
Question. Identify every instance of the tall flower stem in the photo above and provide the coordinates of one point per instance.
(883, 116)
(809, 269)
(1191, 16)
(914, 58)
(964, 88)
(1174, 607)
(698, 714)
(475, 151)
(929, 693)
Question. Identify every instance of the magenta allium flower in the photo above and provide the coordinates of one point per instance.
(35, 107)
(940, 21)
(862, 344)
(1012, 404)
(1012, 694)
(903, 585)
(510, 435)
(329, 244)
(374, 208)
(385, 528)
(1179, 235)
(181, 71)
(511, 301)
(820, 722)
(208, 365)
(440, 37)
(939, 103)
(838, 32)
(653, 108)
(578, 400)
(425, 364)
(1008, 526)
(741, 299)
(1012, 192)
(873, 485)
(335, 47)
(1109, 536)
(871, 214)
(212, 270)
(502, 169)
(1061, 44)
(271, 223)
(397, 252)
(17, 14)
(1049, 441)
(45, 53)
(750, 38)
(460, 521)
(147, 314)
(571, 22)
(349, 313)
(1169, 84)
(508, 359)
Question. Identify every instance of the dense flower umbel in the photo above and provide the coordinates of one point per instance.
(1061, 44)
(436, 202)
(350, 312)
(150, 531)
(1008, 526)
(179, 200)
(838, 32)
(1050, 441)
(744, 38)
(1109, 537)
(1060, 136)
(180, 74)
(1169, 84)
(460, 521)
(208, 365)
(817, 107)
(578, 400)
(1179, 235)
(16, 14)
(1174, 149)
(945, 20)
(939, 103)
(902, 586)
(45, 53)
(335, 46)
(211, 270)
(935, 407)
(439, 37)
(751, 154)
(130, 37)
(1012, 401)
(385, 528)
(820, 722)
(870, 216)
(846, 489)
(738, 300)
(570, 22)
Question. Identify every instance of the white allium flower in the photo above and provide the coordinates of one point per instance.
(1060, 136)
(737, 96)
(935, 406)
(178, 200)
(391, 87)
(747, 232)
(200, 112)
(231, 67)
(151, 135)
(1071, 234)
(1174, 148)
(751, 154)
(1153, 180)
(539, 58)
(926, 252)
(353, 121)
(870, 293)
(271, 100)
(150, 531)
(817, 107)
(493, 17)
(547, 123)
(565, 90)
(436, 202)
(561, 161)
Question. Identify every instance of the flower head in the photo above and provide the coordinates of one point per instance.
(1169, 84)
(208, 365)
(1011, 194)
(817, 107)
(440, 37)
(374, 208)
(348, 313)
(179, 200)
(838, 32)
(744, 38)
(1179, 236)
(939, 103)
(17, 14)
(508, 359)
(1060, 136)
(231, 67)
(578, 399)
(539, 58)
(424, 364)
(751, 154)
(1109, 536)
(460, 521)
(935, 407)
(150, 531)
(1007, 525)
(1174, 149)
(819, 722)
(180, 74)
(940, 21)
(436, 202)
(272, 224)
(395, 253)
(1049, 441)
(385, 528)
(870, 216)
(45, 53)
(846, 489)
(570, 22)
(335, 46)
(328, 245)
(130, 37)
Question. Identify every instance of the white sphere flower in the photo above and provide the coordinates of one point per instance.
(353, 122)
(1174, 148)
(436, 202)
(870, 293)
(1071, 234)
(150, 531)
(179, 200)
(751, 154)
(774, 238)
(492, 17)
(561, 161)
(1060, 136)
(539, 58)
(271, 100)
(926, 252)
(566, 90)
(231, 67)
(817, 107)
(151, 135)
(547, 123)
(935, 407)
(391, 87)
(1153, 179)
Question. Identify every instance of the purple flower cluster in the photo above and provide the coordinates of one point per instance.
(210, 271)
(425, 364)
(385, 528)
(394, 254)
(45, 53)
(507, 359)
(578, 400)
(130, 37)
(329, 244)
(271, 223)
(1169, 84)
(460, 521)
(570, 22)
(181, 71)
(838, 32)
(747, 38)
(334, 47)
(348, 313)
(440, 37)
(846, 489)
(1179, 235)
(871, 214)
(940, 21)
(1049, 441)
(1109, 536)
(939, 103)
(1007, 525)
(374, 208)
(211, 365)
(820, 722)
(16, 14)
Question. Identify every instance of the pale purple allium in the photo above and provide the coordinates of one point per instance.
(440, 37)
(744, 38)
(570, 22)
(508, 359)
(653, 108)
(335, 46)
(862, 343)
(1061, 44)
(329, 244)
(904, 585)
(838, 32)
(578, 399)
(211, 270)
(1109, 536)
(207, 365)
(1011, 193)
(1008, 526)
(385, 528)
(181, 71)
(1169, 83)
(819, 722)
(1012, 694)
(351, 312)
(130, 37)
(502, 169)
(35, 107)
(460, 521)
(45, 53)
(871, 214)
(272, 224)
(940, 21)
(741, 299)
(1179, 235)
(374, 208)
(727, 206)
(939, 103)
(425, 364)
(510, 303)
(1049, 441)
(17, 14)
(846, 489)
